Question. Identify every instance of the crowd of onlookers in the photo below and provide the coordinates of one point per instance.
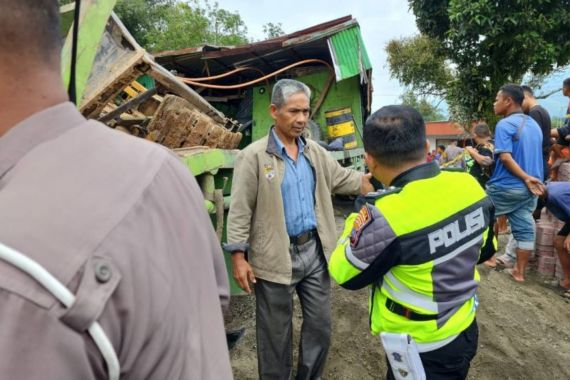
(518, 167)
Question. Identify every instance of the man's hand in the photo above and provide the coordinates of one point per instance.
(242, 272)
(365, 185)
(470, 149)
(535, 186)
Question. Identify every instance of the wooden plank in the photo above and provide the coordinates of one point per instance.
(128, 105)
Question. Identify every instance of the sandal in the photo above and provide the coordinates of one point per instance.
(511, 272)
(566, 295)
(505, 261)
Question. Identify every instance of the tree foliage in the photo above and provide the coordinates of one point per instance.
(174, 24)
(418, 62)
(272, 30)
(428, 111)
(485, 44)
(143, 17)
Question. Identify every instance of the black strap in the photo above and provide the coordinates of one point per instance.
(408, 313)
(520, 128)
(71, 90)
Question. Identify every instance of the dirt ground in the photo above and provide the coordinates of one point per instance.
(524, 332)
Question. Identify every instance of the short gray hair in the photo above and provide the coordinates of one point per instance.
(284, 88)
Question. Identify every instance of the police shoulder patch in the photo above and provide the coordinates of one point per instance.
(363, 219)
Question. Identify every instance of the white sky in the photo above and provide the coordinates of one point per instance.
(380, 21)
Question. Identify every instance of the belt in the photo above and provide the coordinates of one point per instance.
(302, 238)
(408, 313)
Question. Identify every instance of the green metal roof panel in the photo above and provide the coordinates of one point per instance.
(349, 53)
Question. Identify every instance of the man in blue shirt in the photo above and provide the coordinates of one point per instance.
(515, 182)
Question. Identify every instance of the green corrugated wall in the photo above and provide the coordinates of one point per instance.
(341, 94)
(348, 48)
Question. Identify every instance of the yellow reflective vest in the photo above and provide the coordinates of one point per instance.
(418, 246)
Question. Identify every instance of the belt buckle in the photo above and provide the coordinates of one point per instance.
(303, 238)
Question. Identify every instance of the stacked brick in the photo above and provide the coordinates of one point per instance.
(547, 259)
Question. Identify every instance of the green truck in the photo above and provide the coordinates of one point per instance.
(206, 119)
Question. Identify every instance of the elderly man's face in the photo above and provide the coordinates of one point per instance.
(291, 118)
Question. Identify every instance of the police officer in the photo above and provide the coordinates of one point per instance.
(417, 245)
(116, 220)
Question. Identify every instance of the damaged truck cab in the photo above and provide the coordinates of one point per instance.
(207, 102)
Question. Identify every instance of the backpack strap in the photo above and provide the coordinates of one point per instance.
(520, 128)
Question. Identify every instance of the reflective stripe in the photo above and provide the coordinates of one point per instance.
(431, 346)
(353, 259)
(407, 295)
(458, 250)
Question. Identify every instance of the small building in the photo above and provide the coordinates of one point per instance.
(443, 133)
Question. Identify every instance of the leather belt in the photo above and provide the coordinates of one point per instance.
(408, 313)
(302, 238)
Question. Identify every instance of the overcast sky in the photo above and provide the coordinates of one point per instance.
(380, 21)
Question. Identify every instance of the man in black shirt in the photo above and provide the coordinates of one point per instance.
(540, 115)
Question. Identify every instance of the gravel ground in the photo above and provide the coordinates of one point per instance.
(524, 332)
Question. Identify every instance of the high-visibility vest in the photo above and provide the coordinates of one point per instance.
(419, 246)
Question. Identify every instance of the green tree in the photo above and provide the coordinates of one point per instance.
(272, 30)
(485, 44)
(143, 18)
(429, 111)
(419, 62)
(225, 27)
(174, 24)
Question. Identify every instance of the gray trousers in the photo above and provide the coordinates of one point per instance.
(274, 311)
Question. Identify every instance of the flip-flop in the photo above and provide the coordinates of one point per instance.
(510, 272)
(566, 295)
(490, 265)
(505, 261)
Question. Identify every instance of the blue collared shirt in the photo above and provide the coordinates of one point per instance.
(520, 136)
(297, 190)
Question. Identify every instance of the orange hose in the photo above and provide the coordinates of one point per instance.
(239, 69)
(241, 85)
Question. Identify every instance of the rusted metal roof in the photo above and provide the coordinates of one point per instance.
(443, 128)
(277, 42)
(268, 55)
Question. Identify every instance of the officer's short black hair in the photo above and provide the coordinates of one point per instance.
(394, 135)
(30, 28)
(528, 90)
(442, 147)
(566, 82)
(513, 91)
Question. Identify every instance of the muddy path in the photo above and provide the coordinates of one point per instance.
(524, 332)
